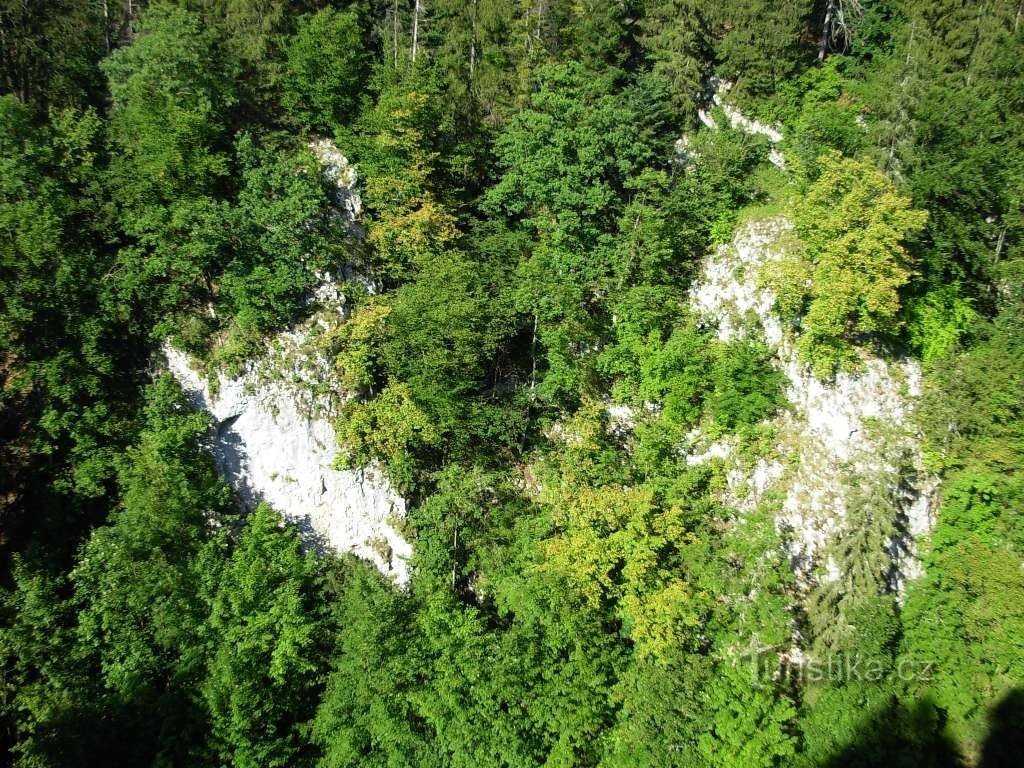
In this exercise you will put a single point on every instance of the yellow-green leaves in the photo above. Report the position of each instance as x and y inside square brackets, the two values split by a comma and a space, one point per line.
[385, 428]
[615, 548]
[357, 343]
[602, 548]
[846, 283]
[662, 619]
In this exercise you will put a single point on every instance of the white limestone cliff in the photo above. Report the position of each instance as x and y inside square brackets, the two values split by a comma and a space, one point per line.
[273, 440]
[271, 444]
[715, 97]
[855, 429]
[341, 175]
[835, 436]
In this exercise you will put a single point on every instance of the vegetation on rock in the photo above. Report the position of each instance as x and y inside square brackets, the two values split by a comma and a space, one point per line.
[517, 349]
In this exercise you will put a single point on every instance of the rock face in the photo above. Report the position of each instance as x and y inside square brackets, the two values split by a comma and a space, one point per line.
[837, 437]
[341, 175]
[715, 97]
[271, 443]
[273, 439]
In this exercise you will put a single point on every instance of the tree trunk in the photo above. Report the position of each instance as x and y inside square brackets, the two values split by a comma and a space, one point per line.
[455, 553]
[106, 26]
[999, 244]
[415, 28]
[472, 44]
[900, 107]
[394, 24]
[826, 30]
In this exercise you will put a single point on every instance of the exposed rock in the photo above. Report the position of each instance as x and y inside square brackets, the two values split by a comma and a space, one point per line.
[720, 449]
[684, 153]
[342, 177]
[715, 97]
[273, 439]
[852, 429]
[621, 419]
[272, 443]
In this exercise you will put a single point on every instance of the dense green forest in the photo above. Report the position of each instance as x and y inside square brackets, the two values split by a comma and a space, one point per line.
[540, 186]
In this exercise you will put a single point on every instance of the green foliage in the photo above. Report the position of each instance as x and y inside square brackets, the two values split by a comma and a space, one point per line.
[515, 350]
[963, 615]
[266, 668]
[678, 40]
[441, 331]
[672, 373]
[720, 178]
[171, 91]
[852, 224]
[688, 374]
[759, 43]
[366, 716]
[862, 555]
[828, 119]
[42, 685]
[565, 162]
[972, 414]
[356, 344]
[964, 618]
[285, 233]
[252, 31]
[960, 162]
[407, 225]
[51, 59]
[325, 70]
[747, 387]
[138, 577]
[747, 728]
[60, 340]
[938, 320]
[139, 581]
[385, 429]
[833, 711]
[131, 636]
[565, 157]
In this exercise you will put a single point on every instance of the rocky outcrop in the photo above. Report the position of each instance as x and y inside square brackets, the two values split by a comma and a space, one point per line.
[341, 176]
[715, 97]
[837, 437]
[273, 440]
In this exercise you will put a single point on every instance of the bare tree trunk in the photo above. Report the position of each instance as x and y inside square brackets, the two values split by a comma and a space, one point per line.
[415, 28]
[394, 19]
[533, 359]
[455, 553]
[6, 60]
[900, 109]
[210, 295]
[837, 25]
[106, 26]
[826, 30]
[472, 44]
[127, 25]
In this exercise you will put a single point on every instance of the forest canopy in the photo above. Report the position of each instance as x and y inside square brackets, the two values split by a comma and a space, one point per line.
[542, 186]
